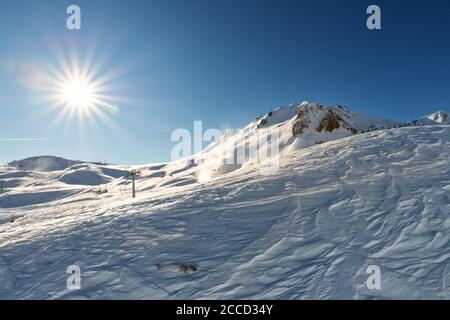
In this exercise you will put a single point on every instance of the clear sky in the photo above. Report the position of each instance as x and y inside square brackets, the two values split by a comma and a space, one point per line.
[220, 61]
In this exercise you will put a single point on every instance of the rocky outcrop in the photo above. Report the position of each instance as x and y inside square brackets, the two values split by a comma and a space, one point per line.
[330, 122]
[439, 117]
[301, 123]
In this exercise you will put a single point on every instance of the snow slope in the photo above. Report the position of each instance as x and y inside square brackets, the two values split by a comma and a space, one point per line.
[24, 188]
[308, 231]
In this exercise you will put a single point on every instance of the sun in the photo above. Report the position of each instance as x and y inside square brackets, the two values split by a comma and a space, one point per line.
[82, 90]
[78, 93]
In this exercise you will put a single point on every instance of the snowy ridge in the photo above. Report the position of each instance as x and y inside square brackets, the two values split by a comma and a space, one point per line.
[43, 163]
[341, 200]
[306, 124]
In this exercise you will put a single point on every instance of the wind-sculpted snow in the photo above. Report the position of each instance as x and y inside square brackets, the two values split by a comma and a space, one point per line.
[13, 200]
[308, 232]
[84, 177]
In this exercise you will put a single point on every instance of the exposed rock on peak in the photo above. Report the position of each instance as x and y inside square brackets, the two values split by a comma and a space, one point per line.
[439, 117]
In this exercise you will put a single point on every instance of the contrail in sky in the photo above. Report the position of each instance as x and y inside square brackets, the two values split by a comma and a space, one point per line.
[25, 139]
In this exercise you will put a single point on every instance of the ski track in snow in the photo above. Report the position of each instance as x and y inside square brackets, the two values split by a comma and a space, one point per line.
[308, 232]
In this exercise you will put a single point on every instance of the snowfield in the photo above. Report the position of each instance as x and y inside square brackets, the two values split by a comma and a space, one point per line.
[309, 231]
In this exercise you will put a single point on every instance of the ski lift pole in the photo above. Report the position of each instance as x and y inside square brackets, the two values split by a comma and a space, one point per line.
[133, 174]
[134, 186]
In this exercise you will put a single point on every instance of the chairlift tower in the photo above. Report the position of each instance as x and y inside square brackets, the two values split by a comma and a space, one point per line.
[133, 174]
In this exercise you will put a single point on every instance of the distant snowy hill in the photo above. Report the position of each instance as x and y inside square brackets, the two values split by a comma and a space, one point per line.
[43, 163]
[350, 191]
[436, 118]
[439, 117]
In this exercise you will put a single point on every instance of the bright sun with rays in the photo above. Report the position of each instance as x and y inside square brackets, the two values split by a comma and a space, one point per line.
[78, 93]
[83, 91]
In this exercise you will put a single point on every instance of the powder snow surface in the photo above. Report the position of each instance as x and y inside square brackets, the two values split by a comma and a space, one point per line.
[307, 232]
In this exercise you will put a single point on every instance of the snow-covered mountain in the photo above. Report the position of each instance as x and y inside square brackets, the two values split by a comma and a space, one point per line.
[349, 192]
[439, 117]
[296, 126]
[436, 118]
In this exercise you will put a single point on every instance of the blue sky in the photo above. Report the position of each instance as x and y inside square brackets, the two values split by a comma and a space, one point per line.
[222, 62]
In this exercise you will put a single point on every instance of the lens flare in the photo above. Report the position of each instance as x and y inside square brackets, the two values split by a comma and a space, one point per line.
[81, 90]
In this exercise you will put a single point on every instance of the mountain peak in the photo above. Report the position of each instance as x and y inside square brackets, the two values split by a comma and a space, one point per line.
[318, 116]
[439, 117]
[436, 118]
